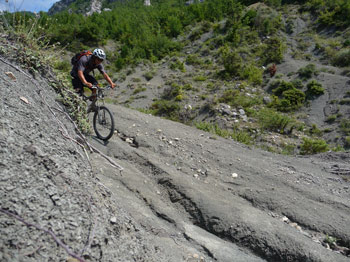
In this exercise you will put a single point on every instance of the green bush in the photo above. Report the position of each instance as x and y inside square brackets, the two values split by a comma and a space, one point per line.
[253, 74]
[294, 96]
[165, 108]
[331, 118]
[345, 101]
[196, 34]
[228, 96]
[172, 92]
[237, 135]
[234, 98]
[314, 88]
[287, 98]
[347, 142]
[177, 64]
[273, 51]
[200, 78]
[266, 21]
[174, 26]
[310, 146]
[280, 87]
[345, 126]
[149, 75]
[342, 58]
[307, 71]
[297, 83]
[274, 121]
[315, 131]
[232, 62]
[64, 66]
[193, 60]
[139, 90]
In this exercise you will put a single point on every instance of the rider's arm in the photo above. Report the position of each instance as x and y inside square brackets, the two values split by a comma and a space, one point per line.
[108, 79]
[83, 80]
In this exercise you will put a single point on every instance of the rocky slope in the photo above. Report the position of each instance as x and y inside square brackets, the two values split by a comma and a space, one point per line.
[86, 7]
[184, 195]
[200, 87]
[52, 206]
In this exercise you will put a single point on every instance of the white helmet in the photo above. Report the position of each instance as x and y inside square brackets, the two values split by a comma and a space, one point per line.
[99, 53]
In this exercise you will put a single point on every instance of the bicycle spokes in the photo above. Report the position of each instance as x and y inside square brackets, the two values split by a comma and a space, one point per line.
[103, 123]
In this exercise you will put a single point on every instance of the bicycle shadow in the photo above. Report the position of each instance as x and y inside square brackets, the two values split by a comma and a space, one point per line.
[101, 142]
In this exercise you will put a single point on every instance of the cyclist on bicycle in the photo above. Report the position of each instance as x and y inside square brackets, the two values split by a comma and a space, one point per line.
[86, 64]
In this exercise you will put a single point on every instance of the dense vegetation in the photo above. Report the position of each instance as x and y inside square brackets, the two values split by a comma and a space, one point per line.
[147, 32]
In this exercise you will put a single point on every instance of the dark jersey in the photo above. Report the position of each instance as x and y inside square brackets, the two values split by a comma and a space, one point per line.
[85, 64]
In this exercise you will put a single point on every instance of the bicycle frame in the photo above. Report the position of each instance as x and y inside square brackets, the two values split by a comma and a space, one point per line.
[98, 99]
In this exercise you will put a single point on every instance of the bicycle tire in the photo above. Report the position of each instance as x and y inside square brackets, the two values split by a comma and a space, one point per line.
[103, 123]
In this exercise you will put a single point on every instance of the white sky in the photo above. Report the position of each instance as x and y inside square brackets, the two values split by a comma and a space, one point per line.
[26, 5]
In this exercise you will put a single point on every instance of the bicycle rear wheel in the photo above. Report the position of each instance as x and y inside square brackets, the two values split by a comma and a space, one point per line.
[103, 123]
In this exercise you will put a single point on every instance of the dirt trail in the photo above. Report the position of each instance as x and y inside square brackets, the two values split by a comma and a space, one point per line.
[217, 193]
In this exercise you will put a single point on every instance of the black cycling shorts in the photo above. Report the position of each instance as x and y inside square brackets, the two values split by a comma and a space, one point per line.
[78, 85]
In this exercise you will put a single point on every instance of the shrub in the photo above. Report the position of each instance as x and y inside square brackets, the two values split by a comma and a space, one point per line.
[200, 78]
[166, 108]
[297, 83]
[347, 142]
[136, 79]
[273, 51]
[331, 118]
[280, 87]
[229, 96]
[289, 98]
[174, 26]
[211, 86]
[187, 87]
[345, 101]
[310, 146]
[173, 91]
[177, 64]
[266, 20]
[314, 130]
[345, 126]
[63, 66]
[234, 98]
[294, 96]
[139, 90]
[232, 62]
[273, 121]
[193, 60]
[314, 88]
[149, 75]
[253, 74]
[237, 135]
[307, 71]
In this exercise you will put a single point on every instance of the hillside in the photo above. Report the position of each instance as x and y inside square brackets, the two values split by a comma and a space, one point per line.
[272, 76]
[184, 195]
[231, 138]
[235, 104]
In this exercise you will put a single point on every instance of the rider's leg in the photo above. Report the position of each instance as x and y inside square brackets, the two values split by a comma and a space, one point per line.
[78, 86]
[93, 81]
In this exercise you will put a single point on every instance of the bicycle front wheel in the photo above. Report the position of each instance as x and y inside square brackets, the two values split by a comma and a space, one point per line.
[103, 123]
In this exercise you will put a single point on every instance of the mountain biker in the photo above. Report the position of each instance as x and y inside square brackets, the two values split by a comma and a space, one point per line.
[86, 64]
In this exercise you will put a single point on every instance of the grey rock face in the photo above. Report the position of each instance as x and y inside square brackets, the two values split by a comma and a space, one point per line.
[60, 6]
[87, 7]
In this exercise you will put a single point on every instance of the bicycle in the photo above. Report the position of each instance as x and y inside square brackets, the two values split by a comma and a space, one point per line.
[103, 121]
